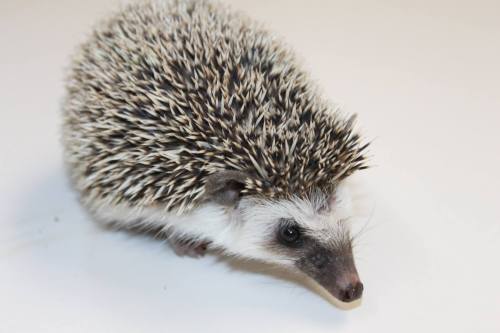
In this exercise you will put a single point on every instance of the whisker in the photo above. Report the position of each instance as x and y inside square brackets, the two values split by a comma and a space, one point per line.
[364, 229]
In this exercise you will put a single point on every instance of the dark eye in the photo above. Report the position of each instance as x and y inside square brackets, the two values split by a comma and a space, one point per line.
[289, 233]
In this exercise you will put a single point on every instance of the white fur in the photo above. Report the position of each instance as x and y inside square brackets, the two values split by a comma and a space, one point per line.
[242, 231]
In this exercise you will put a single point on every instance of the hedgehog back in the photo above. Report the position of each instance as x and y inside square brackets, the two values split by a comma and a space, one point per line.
[165, 94]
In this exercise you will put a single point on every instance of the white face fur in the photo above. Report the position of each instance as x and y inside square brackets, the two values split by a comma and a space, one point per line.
[255, 222]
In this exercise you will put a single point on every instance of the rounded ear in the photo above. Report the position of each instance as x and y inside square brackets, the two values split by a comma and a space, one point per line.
[224, 187]
[339, 201]
[327, 205]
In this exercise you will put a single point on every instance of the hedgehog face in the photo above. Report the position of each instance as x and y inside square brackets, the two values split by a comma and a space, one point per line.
[309, 234]
[306, 234]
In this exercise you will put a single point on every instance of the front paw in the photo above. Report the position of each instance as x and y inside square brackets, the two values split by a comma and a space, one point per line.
[189, 247]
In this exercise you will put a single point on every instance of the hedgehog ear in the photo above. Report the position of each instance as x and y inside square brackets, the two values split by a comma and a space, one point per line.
[327, 205]
[225, 187]
[340, 200]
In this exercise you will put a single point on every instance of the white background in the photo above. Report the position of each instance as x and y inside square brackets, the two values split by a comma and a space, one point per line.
[424, 77]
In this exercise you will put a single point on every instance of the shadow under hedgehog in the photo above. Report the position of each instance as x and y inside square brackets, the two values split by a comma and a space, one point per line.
[191, 118]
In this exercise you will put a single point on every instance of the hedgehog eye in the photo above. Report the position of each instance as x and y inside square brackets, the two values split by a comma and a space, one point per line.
[289, 233]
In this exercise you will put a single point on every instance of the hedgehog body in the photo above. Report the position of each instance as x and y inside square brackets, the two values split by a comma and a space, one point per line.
[186, 116]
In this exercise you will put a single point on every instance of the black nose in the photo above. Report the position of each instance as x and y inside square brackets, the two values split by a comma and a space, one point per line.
[352, 292]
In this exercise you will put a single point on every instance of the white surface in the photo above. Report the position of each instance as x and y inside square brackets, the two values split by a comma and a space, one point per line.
[424, 77]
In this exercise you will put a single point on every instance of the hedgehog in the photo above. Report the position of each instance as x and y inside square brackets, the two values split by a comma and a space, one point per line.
[191, 119]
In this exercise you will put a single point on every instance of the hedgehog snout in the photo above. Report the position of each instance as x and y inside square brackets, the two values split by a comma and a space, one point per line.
[350, 289]
[335, 271]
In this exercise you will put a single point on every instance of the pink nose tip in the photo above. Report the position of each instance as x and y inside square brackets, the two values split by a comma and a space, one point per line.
[351, 292]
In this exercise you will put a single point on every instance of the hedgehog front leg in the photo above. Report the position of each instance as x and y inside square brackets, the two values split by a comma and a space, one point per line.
[189, 247]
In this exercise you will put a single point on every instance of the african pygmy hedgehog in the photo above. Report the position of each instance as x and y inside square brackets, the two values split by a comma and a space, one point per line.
[184, 116]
